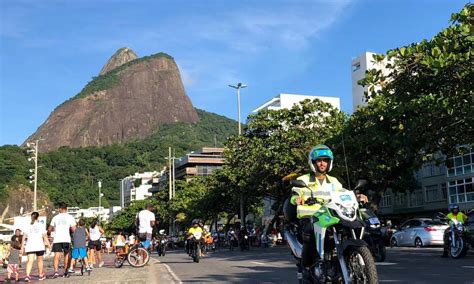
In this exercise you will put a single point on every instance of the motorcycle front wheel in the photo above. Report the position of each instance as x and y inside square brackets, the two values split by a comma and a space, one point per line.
[458, 250]
[361, 265]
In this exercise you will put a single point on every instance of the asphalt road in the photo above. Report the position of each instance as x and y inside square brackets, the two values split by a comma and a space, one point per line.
[276, 265]
[269, 265]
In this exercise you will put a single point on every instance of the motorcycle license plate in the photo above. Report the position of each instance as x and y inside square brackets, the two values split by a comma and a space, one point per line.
[374, 221]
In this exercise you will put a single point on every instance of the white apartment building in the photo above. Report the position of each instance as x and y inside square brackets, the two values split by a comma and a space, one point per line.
[129, 192]
[105, 214]
[287, 101]
[360, 65]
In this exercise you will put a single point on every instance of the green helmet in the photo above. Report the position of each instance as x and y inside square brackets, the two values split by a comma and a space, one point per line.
[320, 151]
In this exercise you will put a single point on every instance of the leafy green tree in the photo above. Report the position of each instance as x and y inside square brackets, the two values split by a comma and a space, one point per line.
[275, 144]
[424, 105]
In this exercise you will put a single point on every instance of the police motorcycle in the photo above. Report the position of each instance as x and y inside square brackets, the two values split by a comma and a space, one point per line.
[457, 236]
[343, 256]
[195, 246]
[162, 243]
[373, 233]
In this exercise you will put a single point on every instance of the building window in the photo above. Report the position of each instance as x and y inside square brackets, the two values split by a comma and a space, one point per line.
[434, 193]
[461, 165]
[204, 170]
[386, 200]
[461, 190]
[355, 66]
[400, 199]
[415, 198]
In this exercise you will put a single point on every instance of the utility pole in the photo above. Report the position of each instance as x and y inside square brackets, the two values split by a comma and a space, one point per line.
[174, 173]
[238, 87]
[34, 177]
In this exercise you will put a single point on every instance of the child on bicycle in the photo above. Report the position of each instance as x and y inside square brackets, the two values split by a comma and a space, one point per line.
[79, 251]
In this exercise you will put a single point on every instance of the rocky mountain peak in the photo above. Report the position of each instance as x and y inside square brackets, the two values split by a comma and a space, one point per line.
[120, 57]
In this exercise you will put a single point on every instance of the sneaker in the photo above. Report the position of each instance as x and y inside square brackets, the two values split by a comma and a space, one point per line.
[56, 275]
[101, 264]
[41, 278]
[71, 271]
[27, 279]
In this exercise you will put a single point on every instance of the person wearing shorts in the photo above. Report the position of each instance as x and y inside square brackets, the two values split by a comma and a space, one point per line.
[79, 241]
[13, 259]
[62, 224]
[33, 243]
[95, 245]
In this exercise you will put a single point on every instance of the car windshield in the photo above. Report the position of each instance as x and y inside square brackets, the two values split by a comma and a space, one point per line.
[434, 223]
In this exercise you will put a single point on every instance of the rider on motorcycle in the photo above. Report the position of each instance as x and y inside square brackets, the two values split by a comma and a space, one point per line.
[454, 214]
[194, 229]
[320, 160]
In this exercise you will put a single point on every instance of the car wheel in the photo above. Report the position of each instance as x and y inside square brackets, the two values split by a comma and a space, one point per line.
[418, 243]
[393, 242]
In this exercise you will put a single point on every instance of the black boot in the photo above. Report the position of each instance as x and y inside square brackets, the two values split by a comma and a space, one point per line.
[445, 253]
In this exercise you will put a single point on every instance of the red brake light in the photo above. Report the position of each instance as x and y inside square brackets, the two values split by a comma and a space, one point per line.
[429, 229]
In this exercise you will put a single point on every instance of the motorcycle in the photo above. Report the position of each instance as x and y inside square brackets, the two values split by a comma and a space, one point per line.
[244, 241]
[458, 242]
[338, 230]
[161, 246]
[195, 246]
[373, 234]
[231, 239]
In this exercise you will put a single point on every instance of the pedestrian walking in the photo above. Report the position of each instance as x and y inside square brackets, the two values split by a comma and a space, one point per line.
[95, 244]
[79, 250]
[62, 224]
[14, 259]
[17, 237]
[33, 244]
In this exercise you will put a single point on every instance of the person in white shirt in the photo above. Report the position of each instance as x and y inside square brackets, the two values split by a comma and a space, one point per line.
[95, 245]
[146, 221]
[63, 225]
[34, 241]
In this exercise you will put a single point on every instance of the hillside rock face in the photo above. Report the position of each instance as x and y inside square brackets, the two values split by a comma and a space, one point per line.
[122, 56]
[144, 93]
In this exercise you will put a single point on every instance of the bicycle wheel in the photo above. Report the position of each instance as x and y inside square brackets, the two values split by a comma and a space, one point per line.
[138, 257]
[118, 261]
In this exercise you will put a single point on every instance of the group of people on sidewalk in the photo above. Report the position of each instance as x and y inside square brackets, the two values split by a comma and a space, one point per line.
[64, 229]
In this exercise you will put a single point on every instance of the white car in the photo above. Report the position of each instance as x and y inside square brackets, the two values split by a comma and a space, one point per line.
[419, 232]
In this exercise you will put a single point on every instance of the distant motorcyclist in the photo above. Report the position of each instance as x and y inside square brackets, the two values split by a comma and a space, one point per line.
[193, 230]
[320, 160]
[454, 214]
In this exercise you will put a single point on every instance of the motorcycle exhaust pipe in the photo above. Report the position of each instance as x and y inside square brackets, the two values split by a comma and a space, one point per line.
[295, 246]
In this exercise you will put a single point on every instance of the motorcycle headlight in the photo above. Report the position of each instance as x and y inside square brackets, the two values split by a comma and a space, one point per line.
[347, 212]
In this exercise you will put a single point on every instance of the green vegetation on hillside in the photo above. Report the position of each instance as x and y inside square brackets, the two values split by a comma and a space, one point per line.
[71, 174]
[111, 78]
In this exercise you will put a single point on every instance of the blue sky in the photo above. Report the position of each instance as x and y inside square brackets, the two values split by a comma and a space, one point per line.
[49, 50]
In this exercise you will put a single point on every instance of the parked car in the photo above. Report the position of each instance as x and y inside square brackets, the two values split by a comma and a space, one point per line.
[419, 232]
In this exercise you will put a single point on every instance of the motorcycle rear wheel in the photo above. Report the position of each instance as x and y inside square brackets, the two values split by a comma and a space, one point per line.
[361, 265]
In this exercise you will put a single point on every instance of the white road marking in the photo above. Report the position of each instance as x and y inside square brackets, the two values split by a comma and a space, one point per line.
[385, 263]
[467, 266]
[173, 275]
[259, 263]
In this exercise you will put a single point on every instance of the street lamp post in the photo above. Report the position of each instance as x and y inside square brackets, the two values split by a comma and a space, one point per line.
[34, 177]
[99, 183]
[238, 87]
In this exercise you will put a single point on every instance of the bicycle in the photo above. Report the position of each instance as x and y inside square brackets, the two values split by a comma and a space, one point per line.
[137, 255]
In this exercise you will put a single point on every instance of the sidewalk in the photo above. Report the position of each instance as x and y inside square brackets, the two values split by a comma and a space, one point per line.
[153, 272]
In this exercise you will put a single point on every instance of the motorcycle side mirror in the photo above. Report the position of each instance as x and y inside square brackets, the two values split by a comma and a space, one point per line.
[360, 183]
[298, 183]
